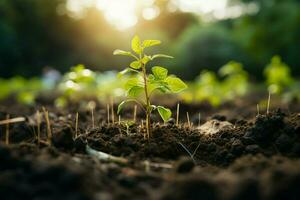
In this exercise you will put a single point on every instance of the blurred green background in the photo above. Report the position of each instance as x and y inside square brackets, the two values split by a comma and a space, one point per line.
[201, 34]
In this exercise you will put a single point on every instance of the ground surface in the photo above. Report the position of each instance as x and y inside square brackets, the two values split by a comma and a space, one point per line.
[235, 154]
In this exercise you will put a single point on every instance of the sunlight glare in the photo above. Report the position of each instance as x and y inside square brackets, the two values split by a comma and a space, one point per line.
[120, 13]
[151, 12]
[123, 14]
[200, 6]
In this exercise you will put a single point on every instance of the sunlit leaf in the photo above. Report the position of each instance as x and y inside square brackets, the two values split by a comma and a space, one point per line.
[165, 113]
[122, 53]
[135, 91]
[160, 56]
[136, 44]
[133, 82]
[146, 59]
[150, 43]
[136, 64]
[159, 73]
[175, 84]
[125, 71]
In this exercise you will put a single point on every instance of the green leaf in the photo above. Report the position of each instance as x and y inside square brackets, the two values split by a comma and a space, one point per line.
[136, 81]
[175, 84]
[160, 56]
[150, 43]
[136, 64]
[159, 73]
[123, 72]
[146, 59]
[165, 113]
[136, 44]
[135, 91]
[121, 105]
[122, 53]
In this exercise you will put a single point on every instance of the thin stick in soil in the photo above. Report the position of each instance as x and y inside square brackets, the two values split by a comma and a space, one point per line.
[119, 120]
[13, 120]
[7, 131]
[76, 125]
[257, 108]
[38, 119]
[186, 149]
[188, 119]
[93, 118]
[49, 133]
[134, 113]
[105, 157]
[8, 121]
[269, 101]
[112, 111]
[199, 119]
[177, 115]
[108, 113]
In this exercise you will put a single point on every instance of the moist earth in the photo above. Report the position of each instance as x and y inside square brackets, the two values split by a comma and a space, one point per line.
[251, 158]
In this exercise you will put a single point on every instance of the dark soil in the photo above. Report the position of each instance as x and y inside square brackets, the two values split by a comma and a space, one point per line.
[255, 158]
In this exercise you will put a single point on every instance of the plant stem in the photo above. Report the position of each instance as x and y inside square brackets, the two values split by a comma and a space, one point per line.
[148, 106]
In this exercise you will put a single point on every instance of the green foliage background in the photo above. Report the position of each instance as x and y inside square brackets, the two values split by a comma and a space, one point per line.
[33, 35]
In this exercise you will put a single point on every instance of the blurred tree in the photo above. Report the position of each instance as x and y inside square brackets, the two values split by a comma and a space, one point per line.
[33, 35]
[207, 47]
[273, 30]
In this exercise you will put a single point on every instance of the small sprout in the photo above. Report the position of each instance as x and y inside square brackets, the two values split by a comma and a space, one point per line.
[142, 85]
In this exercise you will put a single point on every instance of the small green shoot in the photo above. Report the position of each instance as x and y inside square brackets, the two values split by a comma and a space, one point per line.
[142, 85]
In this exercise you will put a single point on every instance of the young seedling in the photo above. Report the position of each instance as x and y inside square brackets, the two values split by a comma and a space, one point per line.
[142, 85]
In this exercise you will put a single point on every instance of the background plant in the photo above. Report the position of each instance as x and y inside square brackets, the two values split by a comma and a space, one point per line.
[232, 82]
[81, 84]
[278, 75]
[141, 85]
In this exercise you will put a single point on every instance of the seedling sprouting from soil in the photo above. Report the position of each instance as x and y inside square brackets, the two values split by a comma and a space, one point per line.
[142, 85]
